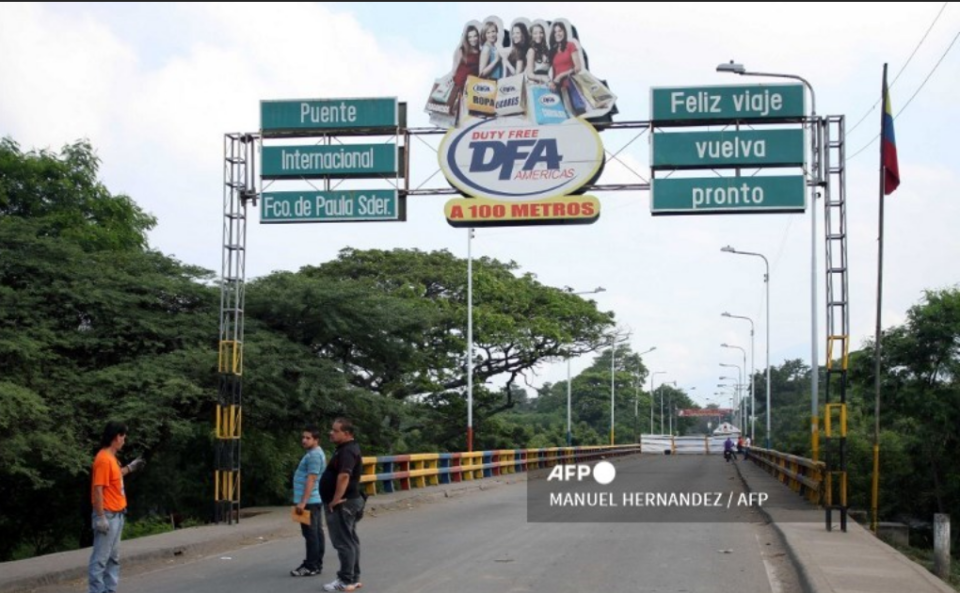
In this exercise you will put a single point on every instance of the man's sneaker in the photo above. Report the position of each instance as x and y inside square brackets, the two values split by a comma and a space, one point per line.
[303, 571]
[339, 585]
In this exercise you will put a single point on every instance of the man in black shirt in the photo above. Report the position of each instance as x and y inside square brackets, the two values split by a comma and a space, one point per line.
[340, 492]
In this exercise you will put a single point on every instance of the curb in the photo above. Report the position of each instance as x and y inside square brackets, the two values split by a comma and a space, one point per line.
[175, 552]
[223, 540]
[811, 579]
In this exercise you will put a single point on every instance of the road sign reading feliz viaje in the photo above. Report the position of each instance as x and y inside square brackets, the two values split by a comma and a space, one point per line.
[520, 143]
[327, 115]
[331, 206]
[739, 103]
[730, 148]
[732, 195]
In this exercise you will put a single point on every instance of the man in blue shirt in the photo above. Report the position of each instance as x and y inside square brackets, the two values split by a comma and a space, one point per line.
[306, 495]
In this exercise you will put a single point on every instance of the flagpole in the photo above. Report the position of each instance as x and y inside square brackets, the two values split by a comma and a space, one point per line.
[875, 494]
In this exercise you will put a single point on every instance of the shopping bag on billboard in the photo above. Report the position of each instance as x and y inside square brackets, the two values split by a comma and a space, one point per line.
[593, 90]
[572, 98]
[546, 105]
[481, 95]
[442, 88]
[443, 98]
[511, 95]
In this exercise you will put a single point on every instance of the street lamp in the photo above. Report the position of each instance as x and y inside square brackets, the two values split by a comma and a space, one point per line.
[766, 281]
[816, 174]
[739, 385]
[742, 413]
[569, 388]
[753, 399]
[652, 376]
[613, 378]
[636, 402]
[671, 411]
[674, 383]
[470, 233]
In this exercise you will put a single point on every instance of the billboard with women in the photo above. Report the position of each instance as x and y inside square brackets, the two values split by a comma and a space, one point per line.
[518, 102]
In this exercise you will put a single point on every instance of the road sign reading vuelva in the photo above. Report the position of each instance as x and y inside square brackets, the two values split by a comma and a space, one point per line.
[726, 149]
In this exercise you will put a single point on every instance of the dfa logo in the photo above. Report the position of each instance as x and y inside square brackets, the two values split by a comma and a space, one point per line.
[513, 159]
[483, 88]
[603, 472]
[549, 100]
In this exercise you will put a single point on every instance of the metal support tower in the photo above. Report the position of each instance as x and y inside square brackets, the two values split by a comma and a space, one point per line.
[838, 316]
[239, 189]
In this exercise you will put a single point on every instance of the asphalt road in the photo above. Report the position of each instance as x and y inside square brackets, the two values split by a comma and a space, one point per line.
[481, 542]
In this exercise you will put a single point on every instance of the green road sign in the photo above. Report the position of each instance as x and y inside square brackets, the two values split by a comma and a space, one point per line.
[730, 148]
[341, 160]
[727, 195]
[332, 206]
[327, 115]
[745, 103]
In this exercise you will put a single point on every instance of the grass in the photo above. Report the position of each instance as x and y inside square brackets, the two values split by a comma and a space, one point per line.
[924, 557]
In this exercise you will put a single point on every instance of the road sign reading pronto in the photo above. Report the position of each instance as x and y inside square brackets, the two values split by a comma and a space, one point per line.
[743, 103]
[327, 115]
[331, 206]
[730, 148]
[715, 195]
[342, 160]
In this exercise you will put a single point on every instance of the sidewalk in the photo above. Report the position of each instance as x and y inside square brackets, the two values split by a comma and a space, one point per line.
[257, 525]
[834, 561]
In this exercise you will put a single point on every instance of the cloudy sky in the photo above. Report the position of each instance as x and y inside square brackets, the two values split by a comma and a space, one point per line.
[155, 87]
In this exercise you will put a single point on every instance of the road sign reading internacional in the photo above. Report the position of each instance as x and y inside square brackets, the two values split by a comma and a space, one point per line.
[332, 206]
[731, 195]
[341, 160]
[706, 105]
[305, 116]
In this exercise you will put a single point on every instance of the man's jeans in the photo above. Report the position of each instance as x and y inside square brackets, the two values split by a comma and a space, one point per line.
[313, 533]
[104, 569]
[342, 525]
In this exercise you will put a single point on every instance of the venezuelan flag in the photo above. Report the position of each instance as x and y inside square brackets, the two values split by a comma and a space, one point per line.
[888, 147]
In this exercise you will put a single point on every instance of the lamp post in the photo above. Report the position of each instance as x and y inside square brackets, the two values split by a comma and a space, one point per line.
[569, 388]
[753, 399]
[652, 377]
[743, 413]
[816, 175]
[470, 339]
[735, 399]
[737, 389]
[766, 281]
[613, 381]
[636, 402]
[672, 408]
[674, 383]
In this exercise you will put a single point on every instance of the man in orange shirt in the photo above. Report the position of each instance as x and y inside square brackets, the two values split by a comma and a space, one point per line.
[109, 507]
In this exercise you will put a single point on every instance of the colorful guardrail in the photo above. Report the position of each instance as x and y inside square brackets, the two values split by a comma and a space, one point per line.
[392, 473]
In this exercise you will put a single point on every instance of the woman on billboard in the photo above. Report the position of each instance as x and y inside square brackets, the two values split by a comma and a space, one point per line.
[466, 60]
[538, 56]
[520, 43]
[491, 63]
[565, 56]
